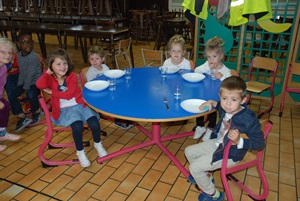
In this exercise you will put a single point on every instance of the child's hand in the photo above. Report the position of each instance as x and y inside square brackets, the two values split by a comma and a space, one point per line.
[49, 71]
[234, 135]
[1, 105]
[218, 75]
[206, 105]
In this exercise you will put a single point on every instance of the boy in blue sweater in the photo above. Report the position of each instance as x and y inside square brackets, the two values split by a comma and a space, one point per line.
[234, 120]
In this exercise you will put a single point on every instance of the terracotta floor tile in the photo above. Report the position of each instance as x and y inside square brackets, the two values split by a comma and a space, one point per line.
[150, 179]
[129, 183]
[287, 192]
[159, 192]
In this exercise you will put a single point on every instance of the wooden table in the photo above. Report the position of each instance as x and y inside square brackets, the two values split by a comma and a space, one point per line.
[82, 31]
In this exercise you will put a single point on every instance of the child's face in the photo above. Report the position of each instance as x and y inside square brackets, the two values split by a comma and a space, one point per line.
[26, 44]
[60, 67]
[176, 52]
[6, 54]
[231, 101]
[213, 58]
[96, 60]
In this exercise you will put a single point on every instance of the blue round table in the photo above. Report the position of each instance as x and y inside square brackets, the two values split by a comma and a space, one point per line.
[141, 98]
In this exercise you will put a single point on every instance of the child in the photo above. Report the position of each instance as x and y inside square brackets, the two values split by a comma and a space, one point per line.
[30, 71]
[68, 106]
[176, 49]
[234, 120]
[214, 67]
[6, 56]
[96, 58]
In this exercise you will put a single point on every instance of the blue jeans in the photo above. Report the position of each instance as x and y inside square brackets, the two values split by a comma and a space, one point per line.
[32, 96]
[11, 85]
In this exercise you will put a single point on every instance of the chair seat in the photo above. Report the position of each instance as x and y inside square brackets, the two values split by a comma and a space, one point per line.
[257, 87]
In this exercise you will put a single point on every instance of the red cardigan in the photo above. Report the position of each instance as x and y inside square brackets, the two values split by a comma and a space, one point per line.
[49, 81]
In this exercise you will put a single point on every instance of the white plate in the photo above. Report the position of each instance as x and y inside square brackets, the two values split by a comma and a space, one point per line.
[97, 85]
[193, 77]
[192, 105]
[172, 69]
[114, 73]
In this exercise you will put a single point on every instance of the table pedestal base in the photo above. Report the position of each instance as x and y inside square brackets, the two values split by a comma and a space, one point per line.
[156, 139]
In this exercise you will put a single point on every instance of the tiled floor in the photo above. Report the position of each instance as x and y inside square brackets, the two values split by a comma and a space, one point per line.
[145, 174]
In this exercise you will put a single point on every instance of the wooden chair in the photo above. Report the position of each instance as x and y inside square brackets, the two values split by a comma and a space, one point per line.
[261, 77]
[234, 73]
[123, 50]
[82, 76]
[290, 84]
[154, 56]
[251, 159]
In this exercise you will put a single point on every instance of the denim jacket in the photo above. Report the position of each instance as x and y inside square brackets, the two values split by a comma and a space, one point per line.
[246, 122]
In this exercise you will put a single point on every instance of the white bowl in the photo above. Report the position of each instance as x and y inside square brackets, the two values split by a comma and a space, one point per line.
[192, 105]
[172, 69]
[193, 77]
[114, 73]
[97, 85]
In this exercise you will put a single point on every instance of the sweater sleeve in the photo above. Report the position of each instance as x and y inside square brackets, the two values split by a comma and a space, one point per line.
[204, 68]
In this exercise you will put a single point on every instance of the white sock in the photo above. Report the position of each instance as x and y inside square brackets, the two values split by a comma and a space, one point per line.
[207, 135]
[199, 132]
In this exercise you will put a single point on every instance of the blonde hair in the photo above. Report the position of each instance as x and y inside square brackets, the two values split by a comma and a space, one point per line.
[215, 44]
[6, 41]
[176, 39]
[96, 50]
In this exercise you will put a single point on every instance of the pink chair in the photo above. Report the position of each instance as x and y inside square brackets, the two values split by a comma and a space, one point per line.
[290, 85]
[251, 159]
[45, 102]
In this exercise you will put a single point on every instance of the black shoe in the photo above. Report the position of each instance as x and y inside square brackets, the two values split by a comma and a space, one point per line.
[103, 133]
[22, 123]
[36, 117]
[123, 125]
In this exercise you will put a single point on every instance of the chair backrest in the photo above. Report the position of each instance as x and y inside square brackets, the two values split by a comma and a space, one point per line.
[234, 73]
[294, 69]
[124, 46]
[193, 65]
[155, 56]
[262, 66]
[82, 76]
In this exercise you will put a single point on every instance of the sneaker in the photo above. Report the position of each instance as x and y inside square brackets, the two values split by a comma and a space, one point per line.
[84, 161]
[36, 117]
[207, 135]
[2, 147]
[100, 149]
[191, 179]
[22, 123]
[199, 132]
[123, 125]
[10, 137]
[205, 197]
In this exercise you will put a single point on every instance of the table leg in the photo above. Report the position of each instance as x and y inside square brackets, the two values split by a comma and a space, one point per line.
[131, 55]
[112, 50]
[41, 38]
